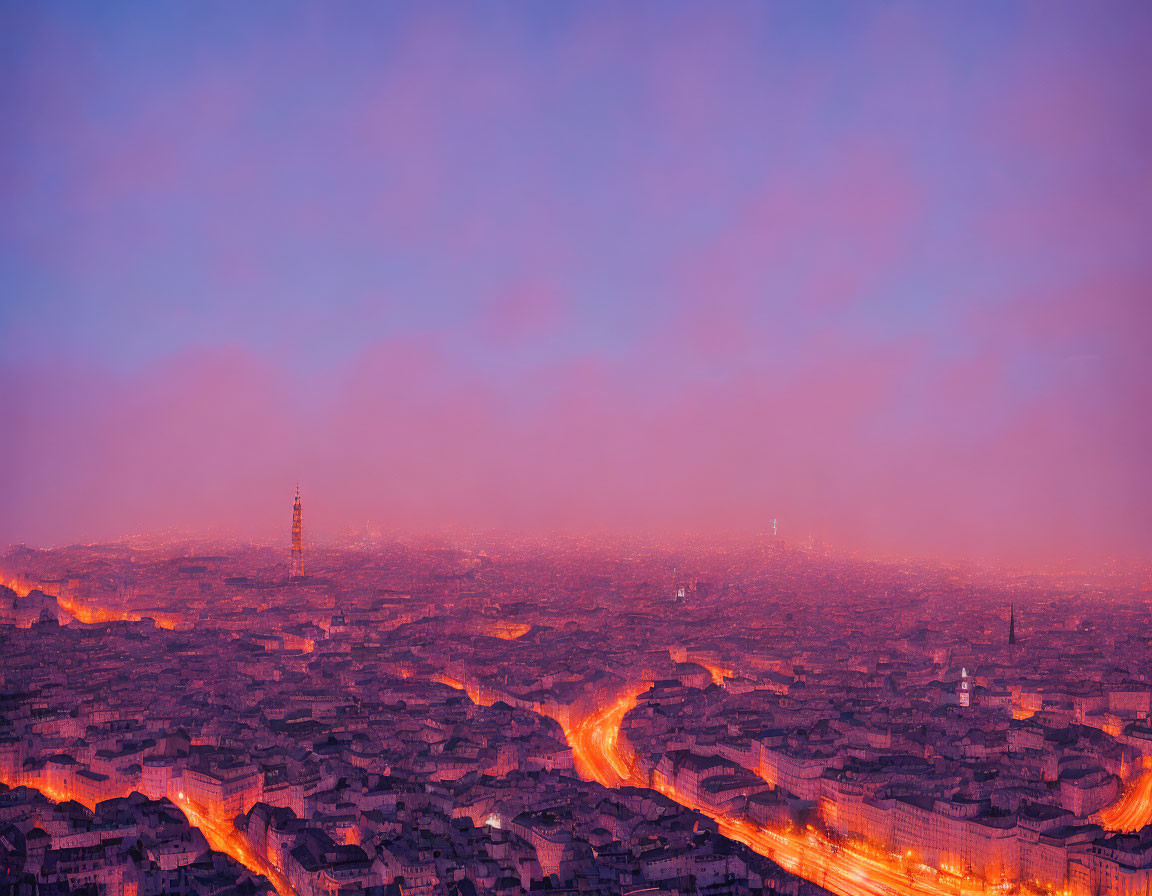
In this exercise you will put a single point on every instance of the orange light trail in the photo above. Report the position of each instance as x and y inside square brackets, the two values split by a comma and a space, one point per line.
[1134, 808]
[473, 694]
[595, 743]
[89, 614]
[719, 673]
[14, 584]
[508, 631]
[221, 834]
[846, 870]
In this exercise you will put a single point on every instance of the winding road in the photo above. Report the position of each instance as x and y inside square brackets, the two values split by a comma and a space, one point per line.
[848, 870]
[1134, 808]
[221, 833]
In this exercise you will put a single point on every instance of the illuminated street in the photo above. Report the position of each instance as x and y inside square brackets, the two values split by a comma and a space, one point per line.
[846, 870]
[597, 752]
[594, 743]
[1134, 809]
[221, 835]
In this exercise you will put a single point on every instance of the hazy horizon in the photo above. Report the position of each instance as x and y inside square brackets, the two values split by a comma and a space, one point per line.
[881, 272]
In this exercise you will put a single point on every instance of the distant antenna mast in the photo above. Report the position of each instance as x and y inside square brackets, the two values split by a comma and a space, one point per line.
[773, 527]
[297, 536]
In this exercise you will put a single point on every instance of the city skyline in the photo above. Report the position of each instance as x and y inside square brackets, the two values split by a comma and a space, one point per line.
[837, 727]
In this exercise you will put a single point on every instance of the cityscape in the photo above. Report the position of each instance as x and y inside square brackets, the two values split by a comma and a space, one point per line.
[571, 715]
[576, 449]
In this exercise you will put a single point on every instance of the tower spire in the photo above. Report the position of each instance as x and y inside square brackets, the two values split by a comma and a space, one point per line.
[1011, 625]
[297, 536]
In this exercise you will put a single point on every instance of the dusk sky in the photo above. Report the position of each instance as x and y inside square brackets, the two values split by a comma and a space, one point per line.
[882, 271]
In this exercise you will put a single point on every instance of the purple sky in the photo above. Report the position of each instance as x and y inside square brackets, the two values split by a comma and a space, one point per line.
[880, 270]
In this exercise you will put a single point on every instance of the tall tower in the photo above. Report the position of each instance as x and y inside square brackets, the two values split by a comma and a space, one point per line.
[297, 537]
[1011, 625]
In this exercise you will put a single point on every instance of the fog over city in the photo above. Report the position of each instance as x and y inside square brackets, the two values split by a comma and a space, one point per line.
[879, 271]
[576, 449]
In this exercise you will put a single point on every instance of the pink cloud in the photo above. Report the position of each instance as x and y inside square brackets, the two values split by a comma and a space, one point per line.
[525, 310]
[412, 437]
[817, 238]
